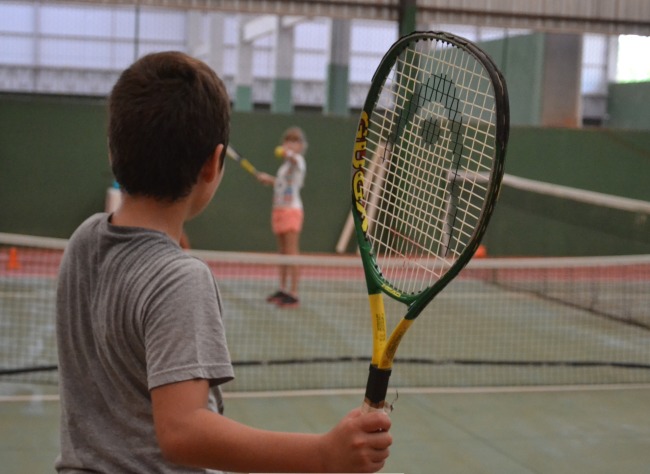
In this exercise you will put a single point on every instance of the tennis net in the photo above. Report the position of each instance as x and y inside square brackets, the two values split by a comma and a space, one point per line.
[532, 321]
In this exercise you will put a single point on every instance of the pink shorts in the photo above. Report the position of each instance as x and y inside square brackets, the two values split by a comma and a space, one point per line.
[286, 219]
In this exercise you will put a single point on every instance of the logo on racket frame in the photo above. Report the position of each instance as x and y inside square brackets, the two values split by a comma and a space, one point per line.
[358, 162]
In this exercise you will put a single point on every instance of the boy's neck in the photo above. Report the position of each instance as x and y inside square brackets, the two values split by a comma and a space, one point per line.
[149, 213]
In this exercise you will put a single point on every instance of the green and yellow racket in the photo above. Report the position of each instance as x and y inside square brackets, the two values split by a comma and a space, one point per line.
[426, 171]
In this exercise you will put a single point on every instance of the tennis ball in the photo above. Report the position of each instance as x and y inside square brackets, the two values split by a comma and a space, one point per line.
[279, 152]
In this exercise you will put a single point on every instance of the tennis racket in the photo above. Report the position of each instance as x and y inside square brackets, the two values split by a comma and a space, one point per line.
[244, 163]
[426, 171]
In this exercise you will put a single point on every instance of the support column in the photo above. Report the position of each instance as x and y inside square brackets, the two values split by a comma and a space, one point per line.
[560, 105]
[216, 48]
[284, 52]
[244, 77]
[338, 70]
[407, 17]
[195, 46]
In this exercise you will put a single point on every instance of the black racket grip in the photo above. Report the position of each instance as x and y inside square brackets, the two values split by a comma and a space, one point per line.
[377, 387]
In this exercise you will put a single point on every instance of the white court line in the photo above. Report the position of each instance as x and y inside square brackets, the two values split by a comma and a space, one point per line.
[28, 398]
[401, 390]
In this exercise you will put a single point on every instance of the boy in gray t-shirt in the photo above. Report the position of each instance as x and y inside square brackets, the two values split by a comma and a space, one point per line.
[142, 348]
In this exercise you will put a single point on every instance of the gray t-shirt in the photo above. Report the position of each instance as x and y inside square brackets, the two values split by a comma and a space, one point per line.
[134, 312]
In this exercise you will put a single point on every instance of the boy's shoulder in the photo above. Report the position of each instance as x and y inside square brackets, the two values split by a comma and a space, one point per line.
[98, 232]
[153, 250]
[87, 227]
[93, 221]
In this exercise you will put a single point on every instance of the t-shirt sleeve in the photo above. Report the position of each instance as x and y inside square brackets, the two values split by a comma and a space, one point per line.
[184, 335]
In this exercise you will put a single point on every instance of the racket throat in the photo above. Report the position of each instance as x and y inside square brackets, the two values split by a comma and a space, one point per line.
[377, 387]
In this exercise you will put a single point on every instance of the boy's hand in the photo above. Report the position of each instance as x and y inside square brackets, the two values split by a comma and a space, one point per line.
[358, 443]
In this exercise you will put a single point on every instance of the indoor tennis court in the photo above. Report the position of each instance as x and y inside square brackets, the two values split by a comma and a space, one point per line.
[526, 365]
[534, 359]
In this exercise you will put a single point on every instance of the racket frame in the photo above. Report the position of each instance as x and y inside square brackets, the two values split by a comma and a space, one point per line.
[384, 346]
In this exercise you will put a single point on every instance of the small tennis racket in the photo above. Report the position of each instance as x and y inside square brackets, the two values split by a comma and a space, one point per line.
[426, 171]
[244, 163]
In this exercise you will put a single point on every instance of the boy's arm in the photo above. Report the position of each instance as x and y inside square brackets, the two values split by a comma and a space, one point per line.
[190, 434]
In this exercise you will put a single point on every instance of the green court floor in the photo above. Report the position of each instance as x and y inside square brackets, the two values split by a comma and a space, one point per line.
[506, 431]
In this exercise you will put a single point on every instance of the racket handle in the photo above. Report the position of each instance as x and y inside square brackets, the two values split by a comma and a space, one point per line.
[376, 389]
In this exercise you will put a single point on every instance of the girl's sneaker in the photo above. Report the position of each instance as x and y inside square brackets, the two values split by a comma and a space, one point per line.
[288, 301]
[276, 297]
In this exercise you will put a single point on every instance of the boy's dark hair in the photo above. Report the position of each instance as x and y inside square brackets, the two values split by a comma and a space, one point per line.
[167, 114]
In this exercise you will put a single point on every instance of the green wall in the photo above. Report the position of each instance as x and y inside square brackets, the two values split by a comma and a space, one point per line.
[239, 216]
[603, 160]
[54, 173]
[53, 163]
[521, 60]
[627, 105]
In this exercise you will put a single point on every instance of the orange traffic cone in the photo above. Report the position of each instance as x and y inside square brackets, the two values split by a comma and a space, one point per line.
[13, 263]
[481, 251]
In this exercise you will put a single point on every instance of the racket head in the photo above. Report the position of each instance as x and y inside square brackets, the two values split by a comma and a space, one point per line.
[427, 164]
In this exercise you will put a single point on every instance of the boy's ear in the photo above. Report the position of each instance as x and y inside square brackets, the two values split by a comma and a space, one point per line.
[212, 167]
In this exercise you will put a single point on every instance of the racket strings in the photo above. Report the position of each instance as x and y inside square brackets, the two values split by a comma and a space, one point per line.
[430, 148]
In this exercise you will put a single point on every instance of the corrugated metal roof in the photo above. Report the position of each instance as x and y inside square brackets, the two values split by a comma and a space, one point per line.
[580, 16]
